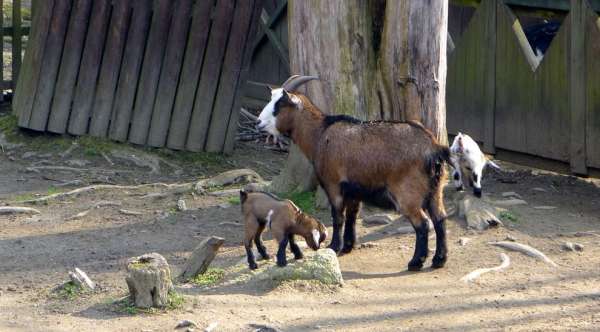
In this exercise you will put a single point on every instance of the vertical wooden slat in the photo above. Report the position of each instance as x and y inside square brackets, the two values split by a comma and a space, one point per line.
[210, 76]
[489, 74]
[190, 72]
[2, 47]
[69, 66]
[592, 45]
[153, 59]
[169, 76]
[577, 88]
[16, 41]
[111, 65]
[28, 80]
[230, 75]
[90, 67]
[50, 65]
[130, 70]
[232, 126]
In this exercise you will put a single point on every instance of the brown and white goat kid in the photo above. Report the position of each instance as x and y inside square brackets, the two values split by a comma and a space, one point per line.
[284, 219]
[468, 162]
[398, 165]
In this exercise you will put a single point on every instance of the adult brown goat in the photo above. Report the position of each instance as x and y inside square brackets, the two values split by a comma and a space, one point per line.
[397, 165]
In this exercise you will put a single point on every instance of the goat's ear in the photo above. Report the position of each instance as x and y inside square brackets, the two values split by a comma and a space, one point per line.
[286, 99]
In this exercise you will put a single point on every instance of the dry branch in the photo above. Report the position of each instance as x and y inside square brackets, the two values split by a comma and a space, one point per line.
[524, 249]
[17, 210]
[477, 273]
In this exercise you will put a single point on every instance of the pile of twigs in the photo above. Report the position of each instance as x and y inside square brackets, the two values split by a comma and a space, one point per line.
[247, 132]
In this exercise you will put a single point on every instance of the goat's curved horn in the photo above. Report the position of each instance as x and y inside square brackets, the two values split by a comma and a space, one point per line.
[295, 81]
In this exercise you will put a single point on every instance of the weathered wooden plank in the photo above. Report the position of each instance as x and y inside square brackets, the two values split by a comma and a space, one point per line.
[29, 78]
[50, 65]
[89, 68]
[592, 49]
[69, 66]
[489, 76]
[210, 75]
[169, 77]
[130, 70]
[550, 113]
[232, 126]
[151, 68]
[111, 65]
[2, 46]
[17, 39]
[192, 65]
[228, 82]
[577, 88]
[514, 85]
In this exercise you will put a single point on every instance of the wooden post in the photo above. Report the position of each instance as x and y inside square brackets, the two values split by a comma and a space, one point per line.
[202, 256]
[149, 280]
[16, 41]
[577, 96]
[490, 75]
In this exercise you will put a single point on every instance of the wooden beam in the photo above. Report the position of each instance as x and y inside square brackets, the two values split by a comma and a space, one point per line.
[281, 50]
[577, 88]
[491, 8]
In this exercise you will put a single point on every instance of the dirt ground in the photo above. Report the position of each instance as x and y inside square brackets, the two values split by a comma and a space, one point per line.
[378, 294]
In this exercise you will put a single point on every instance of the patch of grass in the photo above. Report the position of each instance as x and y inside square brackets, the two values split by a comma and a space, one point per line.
[125, 305]
[53, 190]
[304, 200]
[69, 291]
[24, 197]
[210, 277]
[94, 146]
[235, 200]
[188, 157]
[508, 216]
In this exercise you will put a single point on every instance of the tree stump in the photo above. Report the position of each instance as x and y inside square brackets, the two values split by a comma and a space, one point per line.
[149, 280]
[202, 256]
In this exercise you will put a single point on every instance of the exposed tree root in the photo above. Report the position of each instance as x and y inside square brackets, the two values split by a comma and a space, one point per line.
[177, 187]
[17, 210]
[524, 249]
[477, 273]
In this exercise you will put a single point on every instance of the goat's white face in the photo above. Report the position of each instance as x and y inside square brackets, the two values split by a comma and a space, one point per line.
[468, 162]
[267, 120]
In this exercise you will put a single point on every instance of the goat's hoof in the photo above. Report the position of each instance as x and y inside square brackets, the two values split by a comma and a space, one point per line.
[347, 249]
[438, 262]
[415, 265]
[336, 249]
[253, 266]
[477, 192]
[297, 257]
[282, 264]
[266, 257]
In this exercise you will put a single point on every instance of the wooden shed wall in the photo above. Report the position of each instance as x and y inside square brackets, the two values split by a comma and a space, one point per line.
[151, 72]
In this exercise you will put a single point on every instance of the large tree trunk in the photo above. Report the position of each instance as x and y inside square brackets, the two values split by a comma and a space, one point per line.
[376, 59]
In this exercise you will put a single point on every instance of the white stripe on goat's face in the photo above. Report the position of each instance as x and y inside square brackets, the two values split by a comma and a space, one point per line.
[267, 120]
[316, 237]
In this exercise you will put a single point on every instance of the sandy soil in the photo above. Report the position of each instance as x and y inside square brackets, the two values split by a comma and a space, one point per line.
[378, 295]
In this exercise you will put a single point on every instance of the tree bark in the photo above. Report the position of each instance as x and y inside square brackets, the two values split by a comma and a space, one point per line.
[376, 59]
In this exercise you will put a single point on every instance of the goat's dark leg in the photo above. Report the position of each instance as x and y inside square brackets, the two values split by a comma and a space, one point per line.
[351, 209]
[250, 231]
[437, 212]
[281, 260]
[262, 250]
[421, 225]
[336, 237]
[294, 247]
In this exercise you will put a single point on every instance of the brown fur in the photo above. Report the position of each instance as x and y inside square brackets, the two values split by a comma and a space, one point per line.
[286, 220]
[402, 160]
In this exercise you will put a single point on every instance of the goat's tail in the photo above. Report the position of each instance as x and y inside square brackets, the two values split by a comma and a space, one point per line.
[435, 165]
[243, 196]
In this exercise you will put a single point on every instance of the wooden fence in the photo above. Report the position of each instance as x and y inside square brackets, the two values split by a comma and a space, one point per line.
[163, 73]
[14, 29]
[509, 99]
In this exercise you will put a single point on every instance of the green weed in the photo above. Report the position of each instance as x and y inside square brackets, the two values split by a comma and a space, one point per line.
[304, 200]
[210, 277]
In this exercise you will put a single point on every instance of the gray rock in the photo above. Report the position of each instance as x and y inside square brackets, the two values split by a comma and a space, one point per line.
[181, 206]
[263, 328]
[77, 163]
[378, 219]
[479, 214]
[542, 190]
[81, 279]
[237, 176]
[322, 266]
[186, 323]
[511, 238]
[511, 202]
[570, 246]
[578, 247]
[28, 155]
[463, 241]
[369, 245]
[511, 194]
